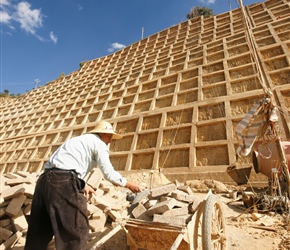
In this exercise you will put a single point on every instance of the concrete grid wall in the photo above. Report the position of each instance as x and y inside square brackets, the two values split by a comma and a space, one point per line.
[176, 96]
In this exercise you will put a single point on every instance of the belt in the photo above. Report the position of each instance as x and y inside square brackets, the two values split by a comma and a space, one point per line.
[81, 183]
[59, 170]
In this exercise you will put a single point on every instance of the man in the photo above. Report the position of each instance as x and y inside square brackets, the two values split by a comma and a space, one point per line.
[59, 205]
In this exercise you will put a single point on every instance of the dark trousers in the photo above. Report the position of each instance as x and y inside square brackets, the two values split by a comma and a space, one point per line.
[58, 209]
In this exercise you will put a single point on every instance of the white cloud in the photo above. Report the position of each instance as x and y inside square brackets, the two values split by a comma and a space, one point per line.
[4, 2]
[207, 2]
[80, 7]
[116, 46]
[53, 37]
[29, 19]
[4, 17]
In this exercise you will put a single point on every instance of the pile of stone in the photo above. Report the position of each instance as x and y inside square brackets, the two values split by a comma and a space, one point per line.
[172, 203]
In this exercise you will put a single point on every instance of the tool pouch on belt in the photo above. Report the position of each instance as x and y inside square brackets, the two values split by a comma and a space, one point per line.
[81, 184]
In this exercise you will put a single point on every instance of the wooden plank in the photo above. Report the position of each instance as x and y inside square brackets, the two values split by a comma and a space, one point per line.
[177, 242]
[105, 238]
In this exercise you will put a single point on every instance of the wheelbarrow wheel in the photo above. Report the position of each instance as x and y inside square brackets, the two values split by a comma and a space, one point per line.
[213, 225]
[197, 234]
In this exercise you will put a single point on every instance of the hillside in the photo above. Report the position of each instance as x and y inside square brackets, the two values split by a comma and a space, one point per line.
[176, 96]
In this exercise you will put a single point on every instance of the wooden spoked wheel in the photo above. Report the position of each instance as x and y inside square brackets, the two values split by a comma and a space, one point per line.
[197, 234]
[213, 225]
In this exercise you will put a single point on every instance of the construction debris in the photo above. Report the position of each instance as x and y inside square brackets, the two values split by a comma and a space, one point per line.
[172, 204]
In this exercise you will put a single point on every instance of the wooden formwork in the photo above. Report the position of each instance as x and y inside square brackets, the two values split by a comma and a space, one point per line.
[176, 96]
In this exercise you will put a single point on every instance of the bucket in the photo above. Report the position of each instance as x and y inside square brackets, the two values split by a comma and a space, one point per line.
[266, 157]
[241, 175]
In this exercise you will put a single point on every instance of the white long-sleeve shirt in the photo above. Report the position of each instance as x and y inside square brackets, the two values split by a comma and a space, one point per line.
[82, 154]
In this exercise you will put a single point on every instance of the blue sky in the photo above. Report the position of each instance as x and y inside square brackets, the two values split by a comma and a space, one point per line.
[41, 39]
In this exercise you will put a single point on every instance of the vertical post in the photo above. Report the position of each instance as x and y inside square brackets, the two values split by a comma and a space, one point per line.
[36, 81]
[284, 165]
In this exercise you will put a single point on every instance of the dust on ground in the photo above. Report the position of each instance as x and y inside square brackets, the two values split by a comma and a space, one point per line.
[243, 231]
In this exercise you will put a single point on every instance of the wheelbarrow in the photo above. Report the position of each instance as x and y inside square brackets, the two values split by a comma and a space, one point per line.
[205, 230]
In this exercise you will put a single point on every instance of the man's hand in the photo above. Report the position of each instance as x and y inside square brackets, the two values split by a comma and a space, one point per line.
[133, 187]
[88, 190]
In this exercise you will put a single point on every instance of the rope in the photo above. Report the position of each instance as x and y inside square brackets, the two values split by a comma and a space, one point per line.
[249, 37]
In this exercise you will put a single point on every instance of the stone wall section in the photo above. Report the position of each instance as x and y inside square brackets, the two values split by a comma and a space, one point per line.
[176, 95]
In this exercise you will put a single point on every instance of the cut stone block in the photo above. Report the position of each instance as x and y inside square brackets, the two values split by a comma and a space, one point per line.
[100, 202]
[176, 211]
[11, 175]
[182, 196]
[99, 192]
[2, 182]
[125, 204]
[186, 189]
[13, 182]
[114, 204]
[108, 189]
[97, 214]
[2, 212]
[106, 202]
[27, 209]
[161, 207]
[20, 244]
[120, 195]
[115, 215]
[15, 205]
[19, 222]
[12, 240]
[98, 225]
[140, 213]
[177, 221]
[29, 190]
[32, 176]
[150, 203]
[193, 207]
[95, 178]
[5, 234]
[92, 209]
[11, 192]
[180, 204]
[23, 173]
[5, 222]
[10, 227]
[138, 210]
[4, 203]
[27, 201]
[158, 191]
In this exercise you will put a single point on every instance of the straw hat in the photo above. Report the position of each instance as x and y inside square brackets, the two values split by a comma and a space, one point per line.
[106, 128]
